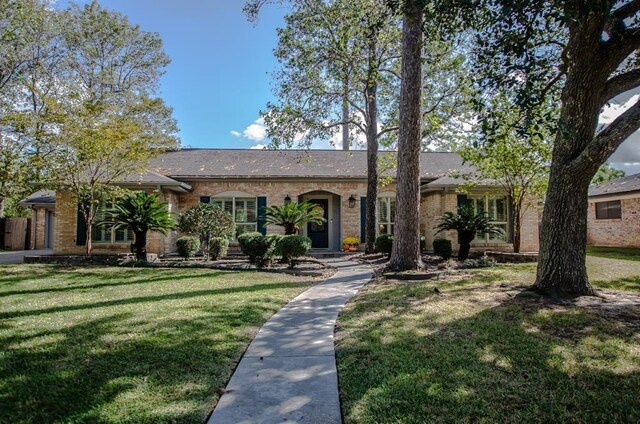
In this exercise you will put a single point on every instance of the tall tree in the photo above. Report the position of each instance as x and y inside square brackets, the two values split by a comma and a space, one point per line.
[340, 63]
[515, 152]
[406, 247]
[107, 124]
[588, 51]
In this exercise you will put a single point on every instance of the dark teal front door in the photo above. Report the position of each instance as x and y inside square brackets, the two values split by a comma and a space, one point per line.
[319, 233]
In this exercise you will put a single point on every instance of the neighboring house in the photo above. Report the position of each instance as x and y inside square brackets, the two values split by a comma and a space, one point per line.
[242, 182]
[614, 213]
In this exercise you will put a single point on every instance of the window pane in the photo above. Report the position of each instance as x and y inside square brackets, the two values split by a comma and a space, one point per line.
[499, 210]
[383, 210]
[100, 233]
[124, 235]
[382, 229]
[500, 237]
[615, 209]
[251, 210]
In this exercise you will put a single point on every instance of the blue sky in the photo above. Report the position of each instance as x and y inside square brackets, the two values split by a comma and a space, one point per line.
[221, 64]
[221, 67]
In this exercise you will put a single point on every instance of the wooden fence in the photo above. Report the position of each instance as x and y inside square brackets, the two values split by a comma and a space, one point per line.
[15, 233]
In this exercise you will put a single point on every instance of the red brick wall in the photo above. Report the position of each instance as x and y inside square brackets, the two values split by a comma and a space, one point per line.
[623, 232]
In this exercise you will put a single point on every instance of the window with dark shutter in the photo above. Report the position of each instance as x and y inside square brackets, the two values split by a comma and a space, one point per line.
[609, 210]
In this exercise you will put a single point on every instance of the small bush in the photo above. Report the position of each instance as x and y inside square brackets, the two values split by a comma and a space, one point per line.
[384, 243]
[293, 246]
[442, 247]
[218, 247]
[187, 246]
[275, 239]
[258, 248]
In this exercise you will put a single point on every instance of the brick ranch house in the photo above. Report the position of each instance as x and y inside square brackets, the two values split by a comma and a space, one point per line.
[242, 182]
[614, 213]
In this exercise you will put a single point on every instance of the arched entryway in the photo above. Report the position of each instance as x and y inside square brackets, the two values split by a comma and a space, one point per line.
[325, 236]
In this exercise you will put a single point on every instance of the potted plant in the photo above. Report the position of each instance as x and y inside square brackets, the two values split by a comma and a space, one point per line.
[350, 244]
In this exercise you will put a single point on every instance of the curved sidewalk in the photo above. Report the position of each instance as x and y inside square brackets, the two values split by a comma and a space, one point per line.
[288, 373]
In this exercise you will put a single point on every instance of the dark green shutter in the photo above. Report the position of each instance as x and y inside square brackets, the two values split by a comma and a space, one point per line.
[462, 200]
[363, 219]
[81, 229]
[205, 199]
[511, 217]
[262, 215]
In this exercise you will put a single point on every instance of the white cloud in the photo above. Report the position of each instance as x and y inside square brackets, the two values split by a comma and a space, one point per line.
[256, 131]
[235, 133]
[613, 110]
[259, 146]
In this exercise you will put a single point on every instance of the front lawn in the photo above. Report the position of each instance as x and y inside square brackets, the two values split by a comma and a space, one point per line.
[628, 253]
[126, 345]
[483, 350]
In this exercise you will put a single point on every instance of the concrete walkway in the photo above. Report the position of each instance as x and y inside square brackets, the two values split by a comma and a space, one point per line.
[16, 256]
[288, 373]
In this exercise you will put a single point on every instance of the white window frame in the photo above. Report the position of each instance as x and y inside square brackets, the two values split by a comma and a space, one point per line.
[109, 236]
[247, 225]
[385, 200]
[486, 238]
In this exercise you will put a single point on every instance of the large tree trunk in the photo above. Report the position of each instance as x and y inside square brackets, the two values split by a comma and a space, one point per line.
[372, 148]
[87, 244]
[2, 206]
[562, 270]
[406, 246]
[517, 225]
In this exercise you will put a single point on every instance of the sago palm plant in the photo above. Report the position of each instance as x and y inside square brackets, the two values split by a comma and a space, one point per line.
[292, 216]
[140, 212]
[467, 224]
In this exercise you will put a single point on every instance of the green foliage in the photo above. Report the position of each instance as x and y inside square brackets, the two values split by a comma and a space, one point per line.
[467, 224]
[218, 247]
[292, 247]
[292, 216]
[442, 247]
[140, 212]
[384, 244]
[187, 246]
[260, 249]
[606, 173]
[206, 222]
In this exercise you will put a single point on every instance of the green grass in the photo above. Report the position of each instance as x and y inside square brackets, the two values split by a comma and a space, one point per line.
[114, 345]
[627, 253]
[482, 352]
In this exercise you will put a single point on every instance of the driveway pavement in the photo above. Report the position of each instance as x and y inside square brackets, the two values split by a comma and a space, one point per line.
[16, 257]
[288, 373]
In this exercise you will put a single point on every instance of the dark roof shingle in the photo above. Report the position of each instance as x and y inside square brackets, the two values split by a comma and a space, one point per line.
[230, 163]
[619, 185]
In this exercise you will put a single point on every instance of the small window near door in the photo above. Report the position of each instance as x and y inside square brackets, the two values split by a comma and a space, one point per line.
[609, 210]
[386, 215]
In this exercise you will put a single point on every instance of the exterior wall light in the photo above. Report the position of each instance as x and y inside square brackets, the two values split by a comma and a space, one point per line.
[287, 199]
[352, 201]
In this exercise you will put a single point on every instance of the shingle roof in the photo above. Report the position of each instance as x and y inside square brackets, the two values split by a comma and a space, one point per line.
[40, 197]
[151, 177]
[230, 163]
[619, 185]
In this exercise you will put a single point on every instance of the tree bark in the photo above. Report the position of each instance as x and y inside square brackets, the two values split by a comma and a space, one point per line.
[345, 115]
[405, 254]
[372, 147]
[88, 246]
[2, 206]
[562, 269]
[141, 245]
[517, 225]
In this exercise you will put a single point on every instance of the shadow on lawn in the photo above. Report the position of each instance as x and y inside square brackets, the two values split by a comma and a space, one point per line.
[146, 299]
[140, 278]
[167, 372]
[523, 360]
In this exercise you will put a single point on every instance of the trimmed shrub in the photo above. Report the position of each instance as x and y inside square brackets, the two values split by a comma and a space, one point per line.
[260, 249]
[218, 247]
[442, 247]
[187, 246]
[206, 221]
[293, 246]
[384, 243]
